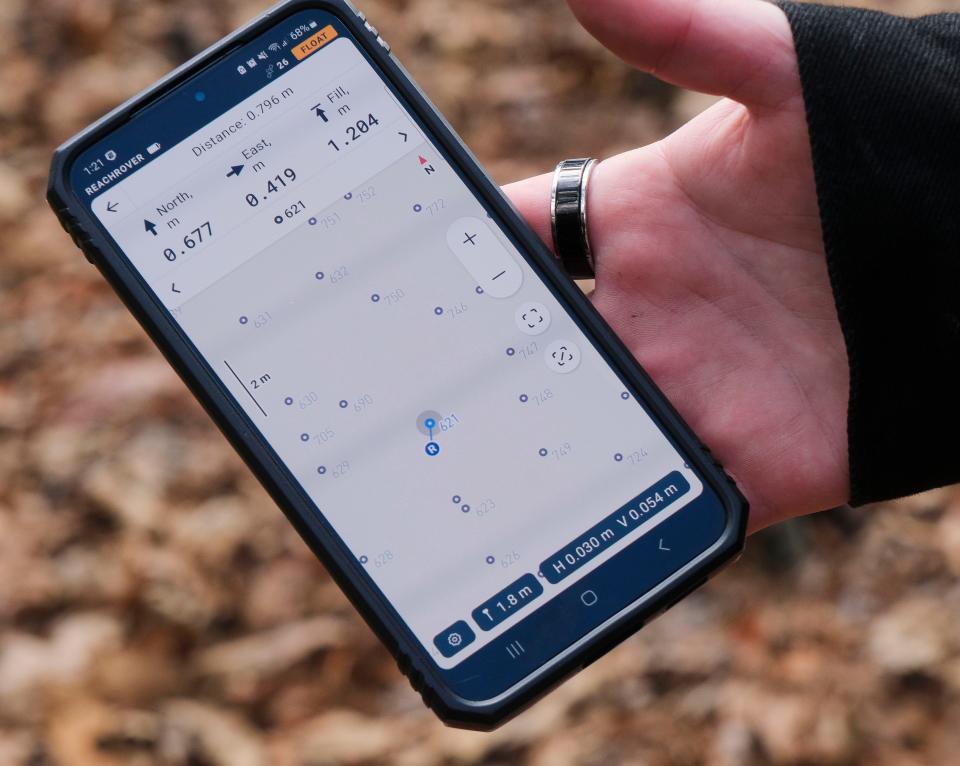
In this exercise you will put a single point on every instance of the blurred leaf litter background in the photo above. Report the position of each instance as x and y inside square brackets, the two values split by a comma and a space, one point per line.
[155, 607]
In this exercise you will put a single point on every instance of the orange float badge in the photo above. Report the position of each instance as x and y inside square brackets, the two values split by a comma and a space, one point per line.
[314, 43]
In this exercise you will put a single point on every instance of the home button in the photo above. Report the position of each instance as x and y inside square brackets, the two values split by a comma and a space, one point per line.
[589, 598]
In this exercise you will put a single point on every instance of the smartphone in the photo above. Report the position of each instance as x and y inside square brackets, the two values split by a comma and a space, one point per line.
[482, 466]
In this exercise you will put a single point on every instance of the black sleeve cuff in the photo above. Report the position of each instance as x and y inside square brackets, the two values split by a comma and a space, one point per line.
[882, 97]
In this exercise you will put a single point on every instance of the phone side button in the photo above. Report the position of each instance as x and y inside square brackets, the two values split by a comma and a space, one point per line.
[384, 44]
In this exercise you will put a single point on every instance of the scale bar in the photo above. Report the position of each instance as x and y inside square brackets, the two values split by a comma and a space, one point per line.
[245, 388]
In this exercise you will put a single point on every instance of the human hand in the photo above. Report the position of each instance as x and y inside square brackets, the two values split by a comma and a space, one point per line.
[709, 254]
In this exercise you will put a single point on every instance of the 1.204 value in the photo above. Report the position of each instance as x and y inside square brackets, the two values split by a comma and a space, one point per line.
[355, 131]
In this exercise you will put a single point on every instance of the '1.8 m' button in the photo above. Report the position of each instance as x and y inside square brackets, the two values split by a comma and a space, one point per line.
[454, 638]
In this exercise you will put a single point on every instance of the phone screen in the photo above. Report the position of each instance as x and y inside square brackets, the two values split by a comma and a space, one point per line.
[464, 438]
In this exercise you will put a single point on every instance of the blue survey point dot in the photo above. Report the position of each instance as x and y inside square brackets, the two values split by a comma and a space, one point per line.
[343, 404]
[432, 449]
[438, 311]
[524, 398]
[288, 401]
[479, 290]
[364, 559]
[511, 351]
[430, 423]
[491, 560]
[375, 298]
[312, 221]
[465, 508]
[543, 452]
[348, 196]
[456, 499]
[618, 457]
[417, 208]
[624, 396]
[304, 437]
[319, 275]
[322, 470]
[243, 320]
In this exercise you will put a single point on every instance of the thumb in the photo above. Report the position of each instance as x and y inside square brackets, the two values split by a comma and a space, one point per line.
[742, 49]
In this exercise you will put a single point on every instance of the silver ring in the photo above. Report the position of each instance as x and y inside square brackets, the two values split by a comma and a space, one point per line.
[568, 217]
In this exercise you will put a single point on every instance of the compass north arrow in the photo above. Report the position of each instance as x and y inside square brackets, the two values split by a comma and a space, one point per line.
[318, 109]
[150, 226]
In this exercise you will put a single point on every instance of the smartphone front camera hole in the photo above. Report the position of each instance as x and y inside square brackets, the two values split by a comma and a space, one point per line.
[200, 96]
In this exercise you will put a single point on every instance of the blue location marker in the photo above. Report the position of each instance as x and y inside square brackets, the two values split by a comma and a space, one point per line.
[624, 396]
[479, 290]
[312, 221]
[456, 499]
[288, 401]
[375, 298]
[322, 470]
[319, 275]
[543, 452]
[417, 208]
[511, 351]
[364, 559]
[430, 424]
[618, 457]
[304, 437]
[344, 404]
[243, 320]
[438, 311]
[432, 449]
[348, 196]
[524, 398]
[465, 508]
[491, 560]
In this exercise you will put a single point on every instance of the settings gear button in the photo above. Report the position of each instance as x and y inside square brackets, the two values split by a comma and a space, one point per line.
[458, 636]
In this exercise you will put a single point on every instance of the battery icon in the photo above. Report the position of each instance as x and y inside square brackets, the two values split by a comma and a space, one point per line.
[313, 25]
[153, 148]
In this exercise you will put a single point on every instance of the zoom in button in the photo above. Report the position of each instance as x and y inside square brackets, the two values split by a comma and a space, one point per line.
[458, 636]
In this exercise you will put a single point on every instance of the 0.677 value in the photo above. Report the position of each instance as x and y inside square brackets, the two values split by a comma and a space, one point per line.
[192, 239]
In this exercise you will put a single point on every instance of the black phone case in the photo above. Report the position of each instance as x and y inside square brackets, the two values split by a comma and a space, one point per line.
[412, 659]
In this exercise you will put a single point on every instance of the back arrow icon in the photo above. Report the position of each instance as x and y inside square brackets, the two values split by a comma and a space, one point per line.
[111, 207]
[662, 547]
[173, 287]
